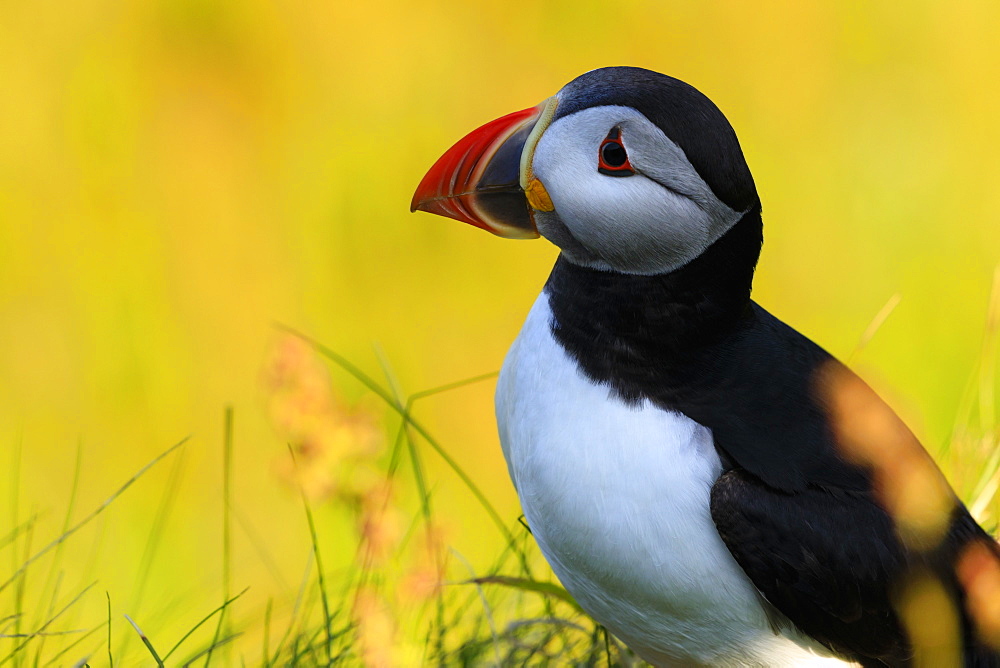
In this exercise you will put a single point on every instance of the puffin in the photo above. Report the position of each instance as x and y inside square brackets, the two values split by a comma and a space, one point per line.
[710, 485]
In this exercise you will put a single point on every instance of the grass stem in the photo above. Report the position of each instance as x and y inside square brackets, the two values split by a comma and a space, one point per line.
[227, 476]
[146, 642]
[320, 575]
[79, 525]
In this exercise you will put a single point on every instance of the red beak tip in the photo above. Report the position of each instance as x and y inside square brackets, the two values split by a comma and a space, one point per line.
[453, 187]
[427, 206]
[419, 203]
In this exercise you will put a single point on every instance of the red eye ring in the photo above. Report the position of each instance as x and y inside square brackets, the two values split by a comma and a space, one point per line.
[612, 158]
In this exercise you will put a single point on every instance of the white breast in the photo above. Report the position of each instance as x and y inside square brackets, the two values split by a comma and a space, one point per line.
[617, 497]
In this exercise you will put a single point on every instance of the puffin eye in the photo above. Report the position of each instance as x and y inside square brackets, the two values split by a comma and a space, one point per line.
[612, 158]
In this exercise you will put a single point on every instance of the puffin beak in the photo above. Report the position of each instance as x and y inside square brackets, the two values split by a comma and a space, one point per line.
[482, 180]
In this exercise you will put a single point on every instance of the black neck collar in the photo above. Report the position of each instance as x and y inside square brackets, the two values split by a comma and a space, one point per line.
[697, 304]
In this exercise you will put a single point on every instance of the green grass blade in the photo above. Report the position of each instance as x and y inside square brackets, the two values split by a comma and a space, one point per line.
[15, 498]
[150, 550]
[259, 545]
[16, 532]
[265, 652]
[212, 648]
[111, 659]
[15, 490]
[448, 387]
[7, 621]
[56, 558]
[415, 462]
[327, 618]
[22, 583]
[31, 636]
[549, 589]
[368, 382]
[422, 490]
[145, 641]
[51, 608]
[67, 648]
[486, 608]
[299, 597]
[203, 620]
[309, 647]
[79, 525]
[988, 358]
[227, 501]
[43, 634]
[67, 518]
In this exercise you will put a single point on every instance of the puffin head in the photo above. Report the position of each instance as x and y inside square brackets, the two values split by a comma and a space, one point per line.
[624, 169]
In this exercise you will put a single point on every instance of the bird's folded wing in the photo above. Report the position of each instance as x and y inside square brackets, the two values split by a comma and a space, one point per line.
[825, 561]
[841, 569]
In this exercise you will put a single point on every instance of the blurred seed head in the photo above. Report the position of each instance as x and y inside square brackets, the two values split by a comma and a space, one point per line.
[380, 524]
[978, 571]
[908, 484]
[376, 629]
[334, 446]
[931, 621]
[425, 576]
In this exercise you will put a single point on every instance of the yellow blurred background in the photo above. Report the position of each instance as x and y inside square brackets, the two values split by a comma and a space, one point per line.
[178, 176]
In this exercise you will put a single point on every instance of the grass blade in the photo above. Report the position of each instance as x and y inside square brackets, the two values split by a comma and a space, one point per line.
[68, 516]
[203, 620]
[447, 387]
[422, 491]
[876, 324]
[259, 546]
[111, 659]
[79, 525]
[544, 588]
[299, 597]
[73, 644]
[15, 494]
[227, 502]
[17, 531]
[150, 550]
[42, 634]
[44, 626]
[368, 382]
[145, 641]
[212, 648]
[22, 583]
[52, 606]
[486, 608]
[327, 618]
[265, 652]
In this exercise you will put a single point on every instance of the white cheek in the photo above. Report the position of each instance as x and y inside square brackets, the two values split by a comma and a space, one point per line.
[630, 222]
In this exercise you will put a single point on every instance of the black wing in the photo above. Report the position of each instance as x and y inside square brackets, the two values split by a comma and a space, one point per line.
[837, 559]
[833, 564]
[825, 562]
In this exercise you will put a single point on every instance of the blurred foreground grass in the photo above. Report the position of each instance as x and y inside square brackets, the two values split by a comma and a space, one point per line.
[405, 597]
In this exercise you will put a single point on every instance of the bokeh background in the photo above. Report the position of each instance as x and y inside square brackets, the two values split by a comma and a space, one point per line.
[177, 176]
